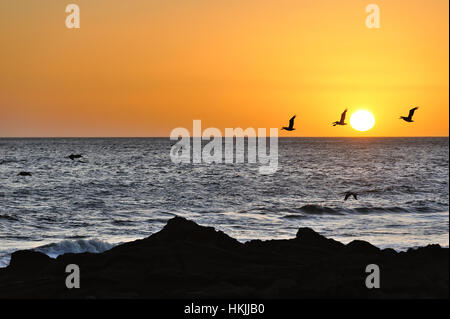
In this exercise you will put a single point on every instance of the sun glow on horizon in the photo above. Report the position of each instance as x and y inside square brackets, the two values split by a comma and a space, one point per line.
[362, 120]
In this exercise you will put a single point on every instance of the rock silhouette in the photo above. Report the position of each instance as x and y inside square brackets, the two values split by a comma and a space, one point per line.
[185, 260]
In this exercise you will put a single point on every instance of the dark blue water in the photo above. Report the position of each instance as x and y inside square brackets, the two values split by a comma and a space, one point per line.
[128, 188]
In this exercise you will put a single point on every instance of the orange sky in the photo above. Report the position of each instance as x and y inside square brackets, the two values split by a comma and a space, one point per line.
[144, 67]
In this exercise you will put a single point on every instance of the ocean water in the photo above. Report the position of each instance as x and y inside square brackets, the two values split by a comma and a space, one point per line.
[127, 188]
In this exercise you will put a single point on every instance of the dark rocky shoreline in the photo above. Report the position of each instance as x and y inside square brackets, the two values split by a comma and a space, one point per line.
[185, 260]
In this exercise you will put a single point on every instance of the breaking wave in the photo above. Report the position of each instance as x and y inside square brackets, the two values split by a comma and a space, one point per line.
[53, 250]
[8, 217]
[75, 246]
[318, 209]
[312, 209]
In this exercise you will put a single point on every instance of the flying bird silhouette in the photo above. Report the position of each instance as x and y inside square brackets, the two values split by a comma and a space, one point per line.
[409, 117]
[348, 194]
[291, 125]
[342, 121]
[74, 156]
[24, 174]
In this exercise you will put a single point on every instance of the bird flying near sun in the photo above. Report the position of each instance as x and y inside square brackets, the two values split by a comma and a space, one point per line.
[362, 120]
[291, 125]
[410, 115]
[342, 120]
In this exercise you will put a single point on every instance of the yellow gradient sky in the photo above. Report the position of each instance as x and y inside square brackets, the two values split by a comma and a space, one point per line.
[144, 67]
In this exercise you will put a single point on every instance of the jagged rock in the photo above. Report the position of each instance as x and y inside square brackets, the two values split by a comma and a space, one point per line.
[361, 247]
[28, 260]
[309, 237]
[181, 229]
[186, 260]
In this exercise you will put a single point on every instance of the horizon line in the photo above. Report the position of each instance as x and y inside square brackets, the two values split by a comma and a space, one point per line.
[168, 137]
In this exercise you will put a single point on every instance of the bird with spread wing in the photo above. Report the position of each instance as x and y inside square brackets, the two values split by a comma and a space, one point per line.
[409, 117]
[342, 121]
[291, 125]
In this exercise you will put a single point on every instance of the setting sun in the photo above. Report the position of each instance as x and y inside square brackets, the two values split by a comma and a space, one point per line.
[362, 120]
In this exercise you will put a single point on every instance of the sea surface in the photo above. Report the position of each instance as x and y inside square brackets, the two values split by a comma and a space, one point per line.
[127, 188]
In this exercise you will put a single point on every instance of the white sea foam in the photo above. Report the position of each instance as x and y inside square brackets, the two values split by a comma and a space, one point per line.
[74, 246]
[53, 250]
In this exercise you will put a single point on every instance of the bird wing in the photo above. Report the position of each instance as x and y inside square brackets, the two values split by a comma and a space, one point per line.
[343, 116]
[291, 121]
[347, 195]
[411, 112]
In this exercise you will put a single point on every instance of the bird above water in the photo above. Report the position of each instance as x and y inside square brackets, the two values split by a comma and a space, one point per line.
[24, 174]
[74, 156]
[409, 117]
[291, 125]
[342, 121]
[348, 194]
